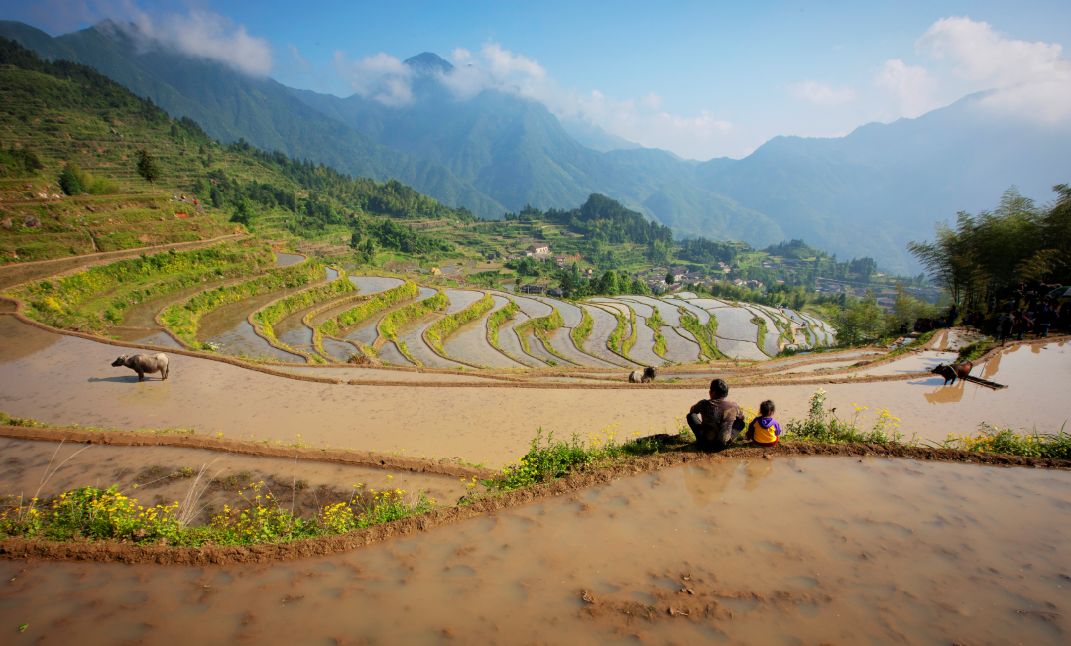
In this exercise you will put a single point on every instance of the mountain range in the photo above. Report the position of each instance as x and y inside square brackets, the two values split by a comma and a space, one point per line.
[867, 193]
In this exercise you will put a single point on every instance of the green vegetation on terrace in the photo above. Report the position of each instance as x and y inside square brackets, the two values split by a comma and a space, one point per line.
[1004, 441]
[581, 332]
[266, 318]
[614, 341]
[183, 318]
[375, 303]
[499, 318]
[391, 323]
[93, 298]
[62, 116]
[440, 330]
[655, 322]
[704, 334]
[89, 513]
[761, 323]
[539, 326]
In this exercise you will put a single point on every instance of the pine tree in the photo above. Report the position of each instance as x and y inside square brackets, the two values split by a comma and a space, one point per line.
[147, 168]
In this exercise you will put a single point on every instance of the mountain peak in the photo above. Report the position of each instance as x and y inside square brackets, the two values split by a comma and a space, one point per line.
[428, 62]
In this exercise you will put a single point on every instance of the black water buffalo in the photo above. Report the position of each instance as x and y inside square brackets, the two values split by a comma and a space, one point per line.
[144, 364]
[954, 371]
[646, 376]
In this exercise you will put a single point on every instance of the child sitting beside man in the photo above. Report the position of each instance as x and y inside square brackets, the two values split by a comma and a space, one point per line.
[764, 429]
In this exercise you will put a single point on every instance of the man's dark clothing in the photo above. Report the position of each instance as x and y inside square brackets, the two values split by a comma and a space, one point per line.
[715, 423]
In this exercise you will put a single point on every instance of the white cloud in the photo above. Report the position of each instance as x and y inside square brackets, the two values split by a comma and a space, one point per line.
[504, 63]
[382, 77]
[821, 93]
[196, 34]
[1030, 78]
[911, 86]
[651, 100]
[981, 53]
[639, 119]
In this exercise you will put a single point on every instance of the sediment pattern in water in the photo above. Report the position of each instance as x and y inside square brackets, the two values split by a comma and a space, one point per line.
[413, 339]
[461, 298]
[561, 342]
[375, 284]
[390, 353]
[680, 349]
[643, 351]
[470, 342]
[511, 343]
[603, 323]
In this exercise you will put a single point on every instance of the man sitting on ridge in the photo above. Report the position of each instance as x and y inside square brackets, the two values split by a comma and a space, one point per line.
[716, 421]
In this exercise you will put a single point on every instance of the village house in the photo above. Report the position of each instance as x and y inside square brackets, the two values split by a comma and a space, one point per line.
[560, 260]
[538, 249]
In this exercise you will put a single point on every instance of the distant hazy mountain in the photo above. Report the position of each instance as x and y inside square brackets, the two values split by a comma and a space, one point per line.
[886, 184]
[867, 193]
[592, 136]
[516, 151]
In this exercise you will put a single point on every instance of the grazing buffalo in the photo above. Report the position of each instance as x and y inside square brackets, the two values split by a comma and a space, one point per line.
[144, 364]
[951, 373]
[646, 376]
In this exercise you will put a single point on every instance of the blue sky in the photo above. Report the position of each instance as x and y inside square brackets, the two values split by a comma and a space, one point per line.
[700, 79]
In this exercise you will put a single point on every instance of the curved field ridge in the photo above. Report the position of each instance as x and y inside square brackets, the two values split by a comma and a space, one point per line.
[436, 333]
[96, 296]
[182, 319]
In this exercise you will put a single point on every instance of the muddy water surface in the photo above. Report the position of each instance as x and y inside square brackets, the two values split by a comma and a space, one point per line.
[154, 475]
[67, 380]
[470, 343]
[679, 348]
[603, 323]
[460, 299]
[144, 314]
[412, 337]
[373, 284]
[152, 336]
[287, 259]
[560, 341]
[509, 341]
[768, 552]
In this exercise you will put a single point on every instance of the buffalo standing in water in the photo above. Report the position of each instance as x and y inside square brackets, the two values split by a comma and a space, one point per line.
[647, 376]
[144, 364]
[951, 373]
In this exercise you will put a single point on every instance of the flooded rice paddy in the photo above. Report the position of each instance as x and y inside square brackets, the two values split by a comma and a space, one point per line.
[495, 425]
[287, 259]
[375, 284]
[783, 551]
